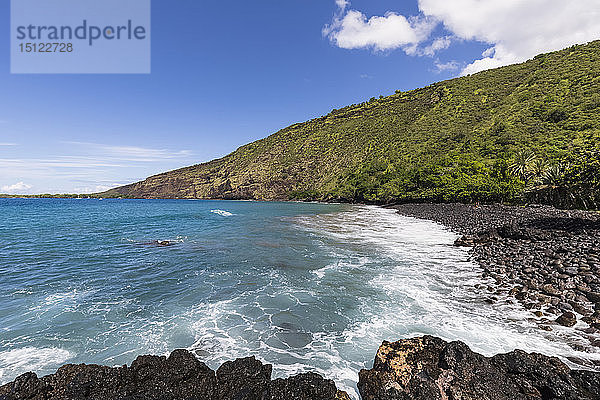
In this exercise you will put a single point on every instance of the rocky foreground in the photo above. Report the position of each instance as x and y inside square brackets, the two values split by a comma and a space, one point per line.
[429, 368]
[424, 368]
[181, 376]
[544, 258]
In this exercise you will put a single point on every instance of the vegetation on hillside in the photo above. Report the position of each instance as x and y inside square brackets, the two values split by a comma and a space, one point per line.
[499, 135]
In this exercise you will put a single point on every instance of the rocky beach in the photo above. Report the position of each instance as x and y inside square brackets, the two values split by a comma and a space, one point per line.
[546, 259]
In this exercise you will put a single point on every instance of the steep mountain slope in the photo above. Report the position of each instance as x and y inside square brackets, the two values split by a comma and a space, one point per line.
[453, 140]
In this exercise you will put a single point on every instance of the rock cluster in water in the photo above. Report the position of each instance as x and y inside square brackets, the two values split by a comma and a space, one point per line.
[547, 259]
[429, 368]
[181, 376]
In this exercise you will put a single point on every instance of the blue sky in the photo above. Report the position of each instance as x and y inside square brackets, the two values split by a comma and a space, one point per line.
[228, 73]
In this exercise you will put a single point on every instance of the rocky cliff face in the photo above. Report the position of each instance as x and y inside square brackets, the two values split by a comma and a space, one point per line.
[178, 377]
[429, 368]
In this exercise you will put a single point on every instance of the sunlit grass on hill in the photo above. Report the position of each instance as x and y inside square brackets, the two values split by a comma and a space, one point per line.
[452, 141]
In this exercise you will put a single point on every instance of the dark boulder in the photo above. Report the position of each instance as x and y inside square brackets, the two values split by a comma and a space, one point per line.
[255, 375]
[429, 368]
[309, 386]
[181, 376]
[593, 297]
[567, 319]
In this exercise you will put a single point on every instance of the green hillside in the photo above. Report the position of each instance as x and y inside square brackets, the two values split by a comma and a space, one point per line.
[457, 140]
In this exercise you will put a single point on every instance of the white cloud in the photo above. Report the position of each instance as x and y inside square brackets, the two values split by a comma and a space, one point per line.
[489, 52]
[19, 187]
[342, 4]
[95, 166]
[95, 188]
[8, 144]
[438, 44]
[447, 66]
[134, 153]
[516, 30]
[58, 162]
[353, 30]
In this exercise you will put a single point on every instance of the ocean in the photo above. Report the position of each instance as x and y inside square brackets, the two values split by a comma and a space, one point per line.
[305, 287]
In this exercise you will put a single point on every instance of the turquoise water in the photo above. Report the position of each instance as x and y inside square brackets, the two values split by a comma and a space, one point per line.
[306, 287]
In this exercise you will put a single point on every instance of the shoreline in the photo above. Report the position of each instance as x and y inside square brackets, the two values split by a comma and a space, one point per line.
[545, 259]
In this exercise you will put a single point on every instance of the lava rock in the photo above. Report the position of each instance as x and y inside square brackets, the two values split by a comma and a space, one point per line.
[181, 376]
[567, 319]
[593, 297]
[307, 386]
[429, 368]
[255, 375]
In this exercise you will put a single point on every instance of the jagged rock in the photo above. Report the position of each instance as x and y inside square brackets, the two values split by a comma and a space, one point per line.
[307, 386]
[181, 376]
[256, 376]
[429, 368]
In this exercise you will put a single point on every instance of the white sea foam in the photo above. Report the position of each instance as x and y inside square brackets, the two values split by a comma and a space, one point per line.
[222, 213]
[429, 288]
[61, 302]
[17, 361]
[322, 271]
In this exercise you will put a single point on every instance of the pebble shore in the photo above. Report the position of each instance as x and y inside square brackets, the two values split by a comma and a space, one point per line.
[546, 259]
